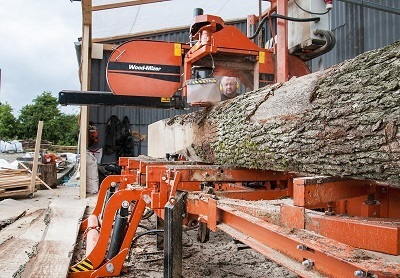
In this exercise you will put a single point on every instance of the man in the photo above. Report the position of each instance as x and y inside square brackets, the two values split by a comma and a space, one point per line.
[228, 87]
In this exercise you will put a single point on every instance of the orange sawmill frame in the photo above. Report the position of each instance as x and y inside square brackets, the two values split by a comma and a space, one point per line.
[307, 234]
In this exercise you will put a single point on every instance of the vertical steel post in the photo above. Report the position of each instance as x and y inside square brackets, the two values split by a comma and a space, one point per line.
[173, 215]
[282, 55]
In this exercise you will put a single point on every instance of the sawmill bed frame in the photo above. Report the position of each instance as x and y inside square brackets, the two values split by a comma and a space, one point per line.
[314, 226]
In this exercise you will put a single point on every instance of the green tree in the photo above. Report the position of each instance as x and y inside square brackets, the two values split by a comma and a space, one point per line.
[70, 123]
[8, 123]
[57, 127]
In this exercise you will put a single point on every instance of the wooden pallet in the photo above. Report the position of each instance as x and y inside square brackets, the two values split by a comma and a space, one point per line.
[15, 182]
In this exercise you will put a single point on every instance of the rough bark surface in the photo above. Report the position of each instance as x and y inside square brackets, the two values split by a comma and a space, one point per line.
[343, 121]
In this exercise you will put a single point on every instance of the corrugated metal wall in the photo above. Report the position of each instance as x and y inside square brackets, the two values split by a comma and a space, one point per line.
[357, 29]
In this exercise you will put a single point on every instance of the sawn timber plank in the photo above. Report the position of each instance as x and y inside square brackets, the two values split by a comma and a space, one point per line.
[54, 252]
[11, 210]
[18, 242]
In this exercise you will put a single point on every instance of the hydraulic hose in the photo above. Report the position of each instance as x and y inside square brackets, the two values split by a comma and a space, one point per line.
[315, 19]
[275, 15]
[330, 41]
[150, 232]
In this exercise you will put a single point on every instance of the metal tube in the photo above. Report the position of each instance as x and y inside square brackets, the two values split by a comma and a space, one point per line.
[197, 11]
[119, 230]
[330, 41]
[92, 235]
[109, 193]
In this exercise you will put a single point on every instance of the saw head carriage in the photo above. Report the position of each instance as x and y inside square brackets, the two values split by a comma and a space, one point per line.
[192, 71]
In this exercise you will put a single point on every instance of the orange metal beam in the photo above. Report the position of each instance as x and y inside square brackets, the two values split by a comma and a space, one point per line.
[214, 173]
[282, 60]
[253, 195]
[316, 192]
[327, 256]
[382, 236]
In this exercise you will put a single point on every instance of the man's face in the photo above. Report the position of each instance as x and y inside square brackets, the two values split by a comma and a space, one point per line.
[229, 87]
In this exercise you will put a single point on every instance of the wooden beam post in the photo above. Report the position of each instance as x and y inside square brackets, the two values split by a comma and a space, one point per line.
[36, 156]
[85, 86]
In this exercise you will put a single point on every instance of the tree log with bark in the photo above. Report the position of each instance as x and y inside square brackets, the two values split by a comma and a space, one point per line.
[342, 121]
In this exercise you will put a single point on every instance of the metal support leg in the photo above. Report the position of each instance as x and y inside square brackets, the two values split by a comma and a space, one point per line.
[173, 215]
[159, 239]
[203, 233]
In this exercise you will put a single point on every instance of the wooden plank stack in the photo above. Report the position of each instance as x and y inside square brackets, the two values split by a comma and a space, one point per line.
[63, 149]
[15, 182]
[29, 144]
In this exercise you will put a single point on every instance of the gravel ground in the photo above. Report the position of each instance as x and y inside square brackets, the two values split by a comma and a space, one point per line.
[10, 157]
[221, 256]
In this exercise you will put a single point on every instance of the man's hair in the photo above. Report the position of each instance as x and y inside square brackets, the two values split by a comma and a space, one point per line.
[228, 77]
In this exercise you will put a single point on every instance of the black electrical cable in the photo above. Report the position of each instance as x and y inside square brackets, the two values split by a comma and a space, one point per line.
[275, 15]
[304, 10]
[147, 214]
[151, 232]
[258, 28]
[316, 19]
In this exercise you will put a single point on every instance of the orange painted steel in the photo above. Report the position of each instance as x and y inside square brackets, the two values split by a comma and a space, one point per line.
[216, 39]
[292, 217]
[253, 195]
[289, 234]
[316, 192]
[282, 54]
[328, 256]
[161, 69]
[102, 267]
[143, 68]
[121, 180]
[363, 231]
[379, 235]
[215, 173]
[232, 44]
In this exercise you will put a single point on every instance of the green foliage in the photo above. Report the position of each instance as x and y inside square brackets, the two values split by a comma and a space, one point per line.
[59, 128]
[8, 123]
[70, 123]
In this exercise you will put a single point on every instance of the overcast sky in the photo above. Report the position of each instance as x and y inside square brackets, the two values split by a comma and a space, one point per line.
[37, 51]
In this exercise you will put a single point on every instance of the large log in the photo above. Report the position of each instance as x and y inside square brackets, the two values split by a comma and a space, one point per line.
[342, 121]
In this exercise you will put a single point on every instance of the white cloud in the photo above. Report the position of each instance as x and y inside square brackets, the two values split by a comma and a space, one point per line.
[37, 52]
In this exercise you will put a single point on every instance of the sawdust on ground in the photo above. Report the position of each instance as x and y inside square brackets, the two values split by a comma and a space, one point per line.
[221, 256]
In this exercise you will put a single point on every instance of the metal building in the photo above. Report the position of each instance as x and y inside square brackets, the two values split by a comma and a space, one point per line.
[358, 28]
